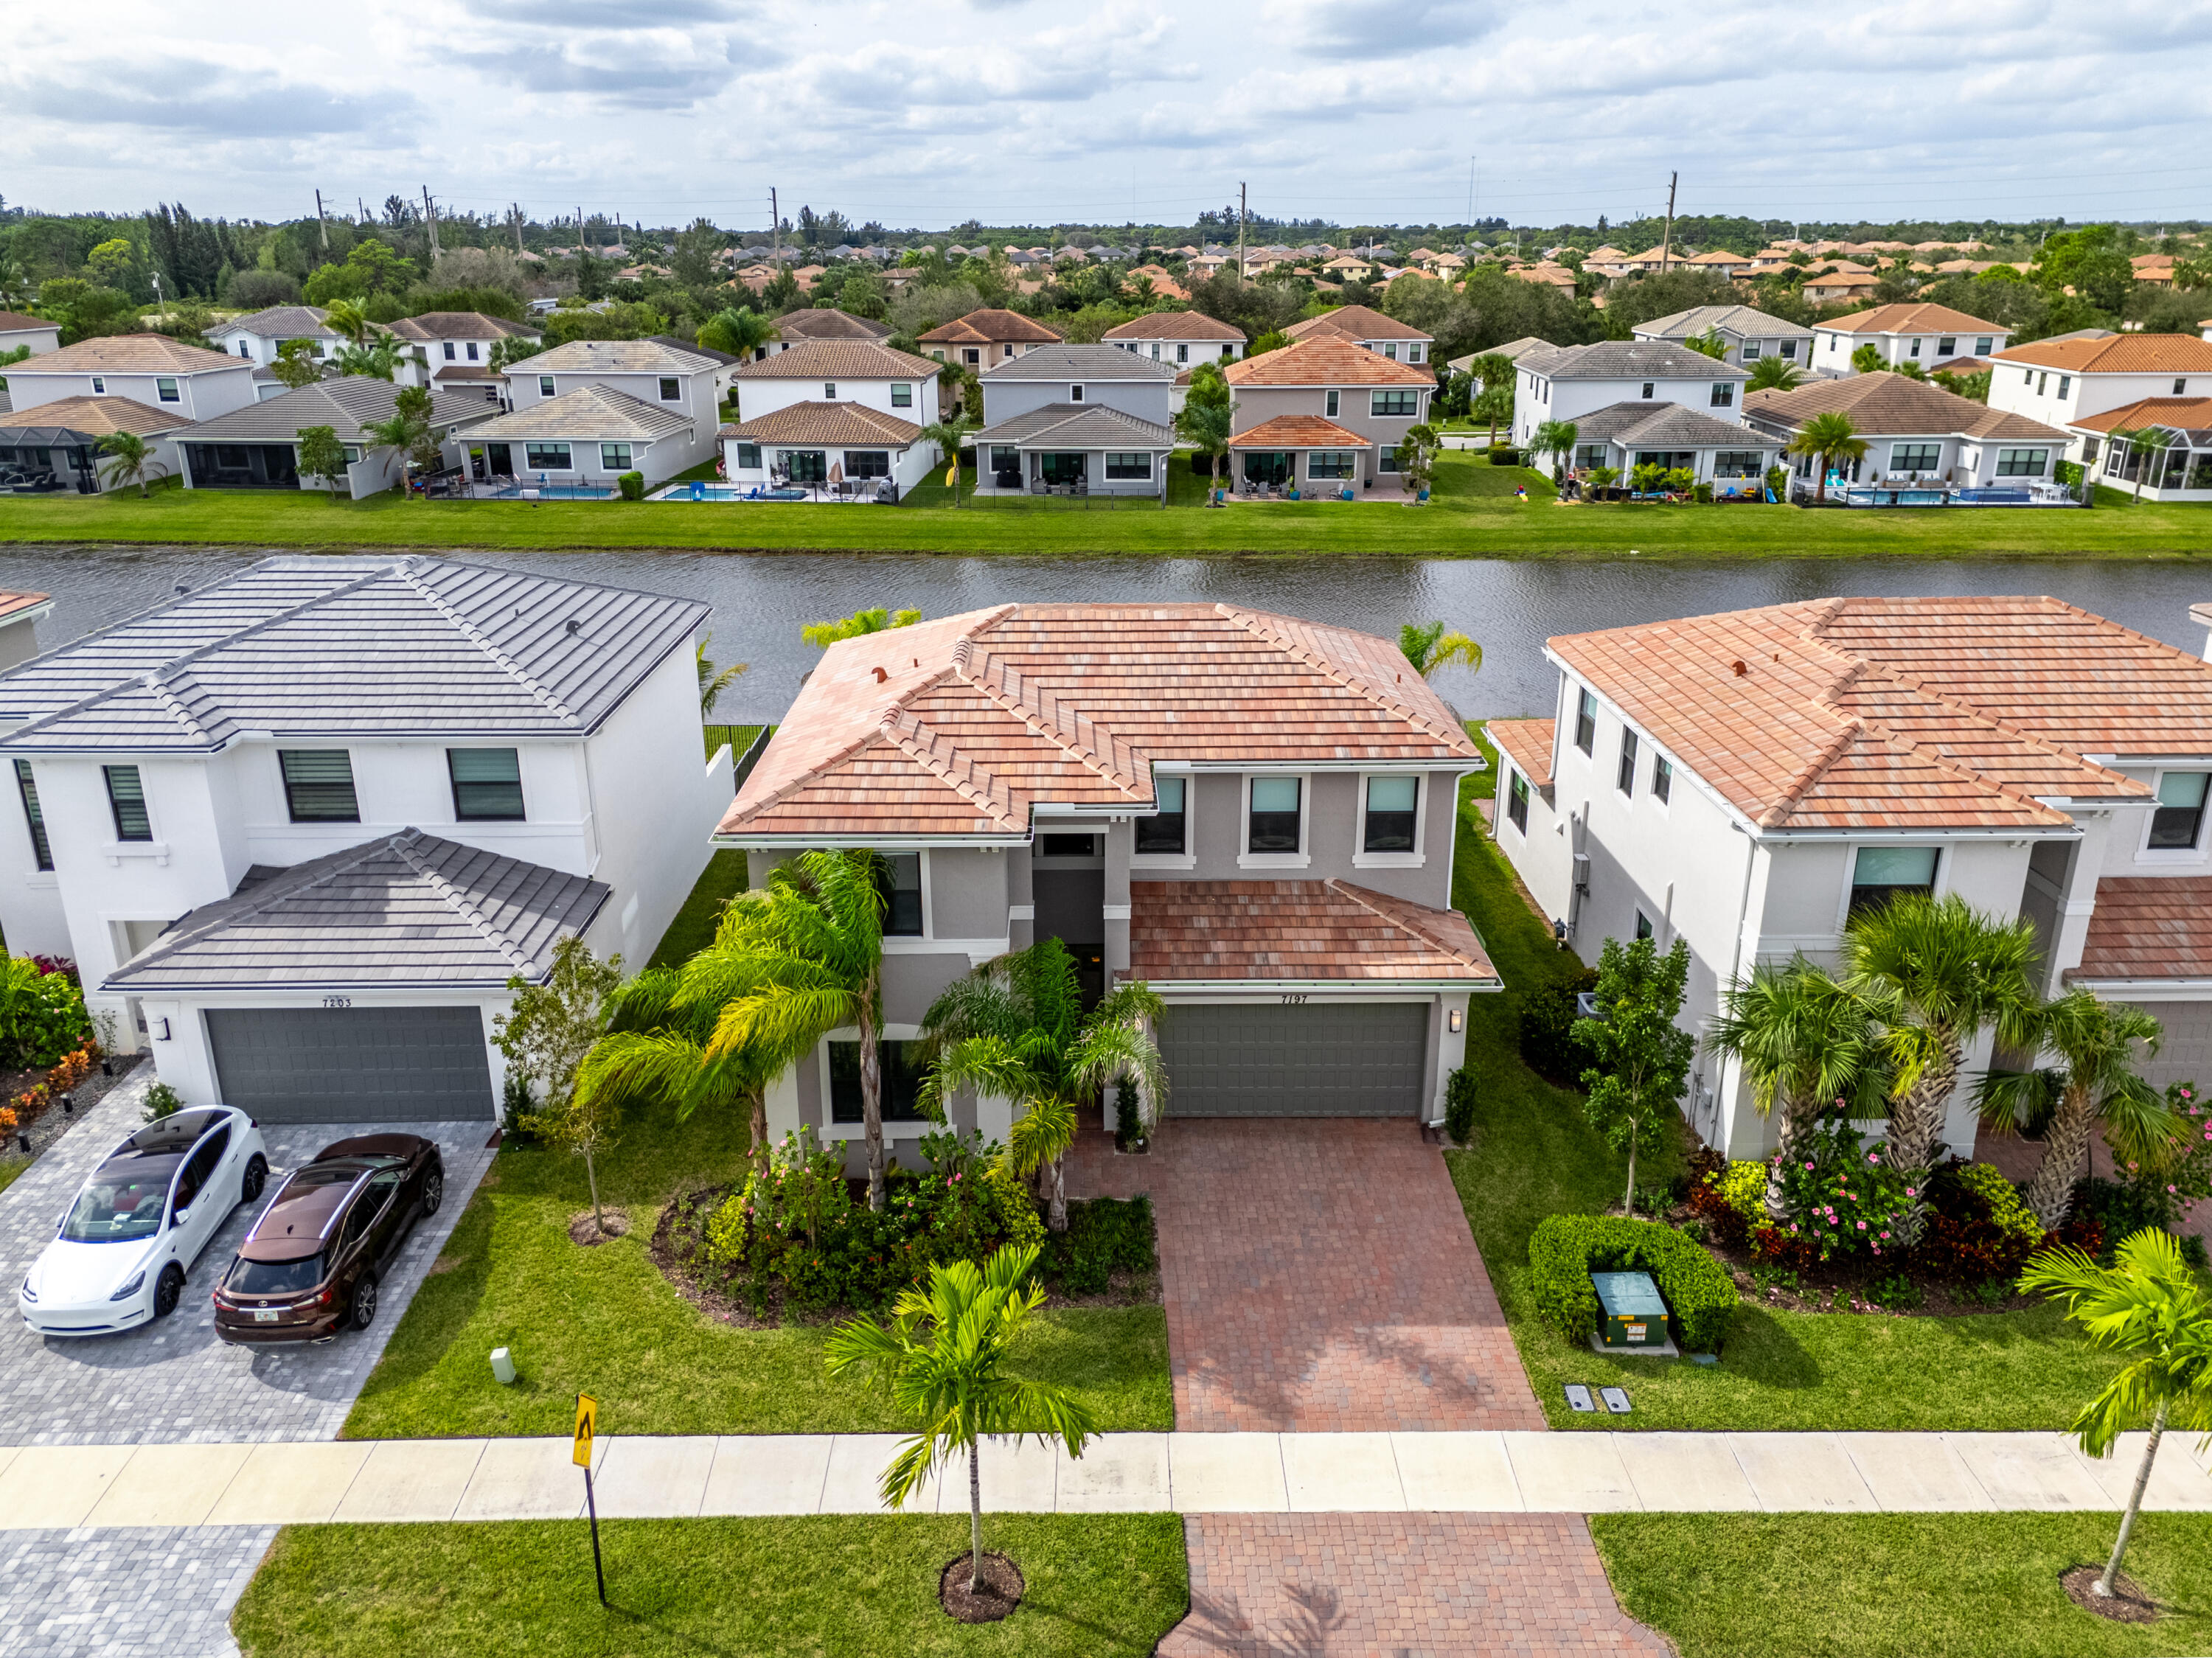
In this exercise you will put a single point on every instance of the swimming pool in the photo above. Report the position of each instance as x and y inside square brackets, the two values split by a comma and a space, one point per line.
[559, 492]
[727, 492]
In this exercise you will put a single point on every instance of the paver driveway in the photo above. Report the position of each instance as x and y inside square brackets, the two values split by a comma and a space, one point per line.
[1319, 1276]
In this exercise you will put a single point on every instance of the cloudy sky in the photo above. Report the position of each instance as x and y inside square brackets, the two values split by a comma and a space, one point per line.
[928, 112]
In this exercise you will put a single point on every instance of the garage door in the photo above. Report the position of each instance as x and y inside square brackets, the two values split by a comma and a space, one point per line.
[1321, 1060]
[353, 1065]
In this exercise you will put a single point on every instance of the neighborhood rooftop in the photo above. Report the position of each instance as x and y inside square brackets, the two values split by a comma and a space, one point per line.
[94, 416]
[1174, 325]
[591, 412]
[1353, 322]
[794, 325]
[990, 328]
[460, 325]
[1079, 362]
[1883, 405]
[1740, 320]
[128, 353]
[1324, 363]
[647, 356]
[1910, 319]
[288, 322]
[1628, 360]
[839, 360]
[346, 405]
[2110, 354]
[1226, 933]
[825, 424]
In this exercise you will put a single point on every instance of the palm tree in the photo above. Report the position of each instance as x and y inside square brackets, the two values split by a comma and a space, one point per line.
[1556, 438]
[378, 360]
[2097, 1044]
[1827, 435]
[713, 680]
[2150, 1306]
[1494, 405]
[1936, 973]
[2146, 441]
[131, 461]
[1804, 1041]
[1775, 374]
[409, 432]
[14, 285]
[948, 435]
[796, 959]
[942, 1359]
[823, 635]
[1015, 1028]
[347, 316]
[738, 333]
[1428, 646]
[1206, 427]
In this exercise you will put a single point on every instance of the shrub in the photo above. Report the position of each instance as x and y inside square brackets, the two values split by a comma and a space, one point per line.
[1459, 1105]
[42, 1014]
[1565, 1249]
[1703, 494]
[162, 1101]
[1104, 1235]
[1840, 1196]
[1503, 455]
[1732, 1197]
[632, 485]
[1548, 1042]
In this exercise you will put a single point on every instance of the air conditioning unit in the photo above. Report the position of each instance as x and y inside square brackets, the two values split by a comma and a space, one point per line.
[1582, 872]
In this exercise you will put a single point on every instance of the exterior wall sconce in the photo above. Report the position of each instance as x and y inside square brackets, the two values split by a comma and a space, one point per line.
[161, 1030]
[1452, 1019]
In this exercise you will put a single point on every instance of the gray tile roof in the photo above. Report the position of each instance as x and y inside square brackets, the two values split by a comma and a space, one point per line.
[1665, 426]
[1079, 362]
[463, 325]
[590, 414]
[614, 357]
[349, 648]
[406, 910]
[1077, 425]
[1628, 360]
[1512, 351]
[346, 405]
[1742, 320]
[283, 322]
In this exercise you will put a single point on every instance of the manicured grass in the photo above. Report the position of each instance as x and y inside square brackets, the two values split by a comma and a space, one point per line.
[1473, 515]
[693, 926]
[13, 1170]
[1534, 1155]
[603, 1321]
[827, 1587]
[1904, 1585]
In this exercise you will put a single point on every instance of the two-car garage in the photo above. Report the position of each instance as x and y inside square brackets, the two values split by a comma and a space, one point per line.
[352, 1064]
[1305, 1058]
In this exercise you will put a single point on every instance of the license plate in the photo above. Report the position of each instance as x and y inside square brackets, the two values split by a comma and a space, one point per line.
[266, 1314]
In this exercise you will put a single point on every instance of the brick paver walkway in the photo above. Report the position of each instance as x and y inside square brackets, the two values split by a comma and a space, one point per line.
[1273, 1585]
[1319, 1277]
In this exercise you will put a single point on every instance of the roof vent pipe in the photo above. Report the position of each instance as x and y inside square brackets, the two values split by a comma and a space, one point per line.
[575, 626]
[880, 675]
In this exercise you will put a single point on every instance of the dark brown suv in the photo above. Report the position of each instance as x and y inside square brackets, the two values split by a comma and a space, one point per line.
[310, 1265]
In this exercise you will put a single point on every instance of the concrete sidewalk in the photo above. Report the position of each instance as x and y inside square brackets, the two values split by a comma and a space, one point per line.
[104, 1486]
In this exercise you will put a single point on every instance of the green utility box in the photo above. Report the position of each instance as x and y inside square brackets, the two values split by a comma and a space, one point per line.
[1631, 1313]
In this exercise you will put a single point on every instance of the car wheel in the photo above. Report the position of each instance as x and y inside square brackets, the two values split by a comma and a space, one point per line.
[168, 1290]
[364, 1303]
[257, 1176]
[433, 1188]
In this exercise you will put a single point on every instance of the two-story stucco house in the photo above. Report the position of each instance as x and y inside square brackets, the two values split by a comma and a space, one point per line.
[1566, 382]
[18, 330]
[1371, 330]
[1747, 334]
[298, 828]
[849, 407]
[186, 380]
[588, 412]
[1185, 338]
[1250, 813]
[1933, 336]
[1747, 781]
[1082, 419]
[451, 350]
[1913, 430]
[1324, 415]
[983, 339]
[800, 327]
[2059, 381]
[258, 336]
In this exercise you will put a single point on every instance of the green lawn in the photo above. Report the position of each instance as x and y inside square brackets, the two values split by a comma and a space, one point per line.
[1534, 1155]
[11, 1170]
[1473, 514]
[1902, 1585]
[694, 925]
[829, 1587]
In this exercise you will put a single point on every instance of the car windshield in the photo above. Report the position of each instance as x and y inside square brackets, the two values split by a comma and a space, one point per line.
[122, 1202]
[276, 1277]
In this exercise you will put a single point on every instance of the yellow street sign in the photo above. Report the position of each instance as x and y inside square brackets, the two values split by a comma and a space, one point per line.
[587, 1424]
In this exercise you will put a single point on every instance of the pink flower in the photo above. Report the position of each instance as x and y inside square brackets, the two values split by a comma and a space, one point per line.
[1808, 1165]
[1885, 1234]
[1910, 1192]
[1872, 1157]
[1861, 1226]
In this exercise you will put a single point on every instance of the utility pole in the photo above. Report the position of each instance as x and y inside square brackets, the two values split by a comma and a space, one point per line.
[1667, 242]
[775, 231]
[322, 220]
[363, 206]
[1241, 214]
[430, 218]
[517, 211]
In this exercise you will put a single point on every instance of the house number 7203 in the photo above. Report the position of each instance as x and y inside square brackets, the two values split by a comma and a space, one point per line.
[1293, 999]
[337, 1001]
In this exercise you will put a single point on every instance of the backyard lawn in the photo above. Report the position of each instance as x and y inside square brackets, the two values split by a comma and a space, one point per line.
[1473, 514]
[824, 1587]
[1534, 1155]
[1902, 1585]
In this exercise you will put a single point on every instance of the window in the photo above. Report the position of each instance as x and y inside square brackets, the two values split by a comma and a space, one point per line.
[1182, 353]
[973, 354]
[166, 389]
[352, 452]
[2021, 463]
[901, 395]
[1135, 464]
[867, 464]
[1067, 846]
[1075, 394]
[1945, 348]
[1751, 352]
[1330, 401]
[472, 351]
[1274, 826]
[2179, 387]
[1646, 392]
[1915, 457]
[1642, 925]
[545, 385]
[1916, 349]
[807, 466]
[1662, 779]
[1517, 802]
[126, 800]
[748, 458]
[1413, 352]
[245, 348]
[614, 457]
[1985, 344]
[318, 785]
[2065, 384]
[2042, 383]
[829, 391]
[1624, 777]
[1391, 803]
[451, 355]
[1329, 464]
[672, 390]
[901, 1074]
[487, 785]
[900, 882]
[1724, 395]
[2180, 815]
[1738, 463]
[1789, 350]
[1005, 350]
[1882, 872]
[1585, 721]
[1005, 458]
[547, 457]
[40, 847]
[99, 386]
[1164, 833]
[1390, 349]
[1393, 402]
[1388, 462]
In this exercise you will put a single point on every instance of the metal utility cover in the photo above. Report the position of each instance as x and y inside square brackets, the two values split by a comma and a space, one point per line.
[353, 1065]
[1634, 1315]
[1317, 1060]
[1616, 1399]
[1579, 1397]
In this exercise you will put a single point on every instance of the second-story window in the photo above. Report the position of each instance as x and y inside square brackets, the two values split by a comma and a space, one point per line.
[1516, 801]
[1331, 400]
[318, 785]
[1274, 826]
[166, 389]
[1391, 403]
[2180, 818]
[126, 800]
[27, 785]
[1662, 779]
[900, 882]
[901, 395]
[452, 356]
[487, 785]
[1585, 721]
[545, 385]
[1391, 803]
[1724, 395]
[1881, 873]
[672, 390]
[1624, 777]
[1164, 832]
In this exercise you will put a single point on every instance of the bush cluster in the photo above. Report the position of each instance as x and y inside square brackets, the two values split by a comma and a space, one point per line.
[1730, 1198]
[44, 1016]
[1839, 1198]
[1565, 1249]
[1459, 1105]
[1549, 1046]
[1104, 1235]
[632, 486]
[1977, 1227]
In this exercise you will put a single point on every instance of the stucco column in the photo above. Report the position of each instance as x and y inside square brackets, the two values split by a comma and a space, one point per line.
[1021, 899]
[1120, 840]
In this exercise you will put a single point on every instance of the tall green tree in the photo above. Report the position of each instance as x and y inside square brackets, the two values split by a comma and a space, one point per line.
[545, 1035]
[823, 635]
[130, 461]
[737, 331]
[296, 365]
[1556, 438]
[378, 360]
[1430, 645]
[1417, 455]
[409, 432]
[1829, 436]
[1207, 427]
[321, 455]
[1642, 1055]
[349, 318]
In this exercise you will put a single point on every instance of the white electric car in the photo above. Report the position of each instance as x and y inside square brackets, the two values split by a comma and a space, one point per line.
[119, 1258]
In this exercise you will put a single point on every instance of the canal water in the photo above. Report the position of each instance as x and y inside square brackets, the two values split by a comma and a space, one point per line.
[1511, 606]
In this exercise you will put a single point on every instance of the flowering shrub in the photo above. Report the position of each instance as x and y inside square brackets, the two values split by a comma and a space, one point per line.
[42, 1014]
[1837, 1196]
[1732, 1198]
[1977, 1227]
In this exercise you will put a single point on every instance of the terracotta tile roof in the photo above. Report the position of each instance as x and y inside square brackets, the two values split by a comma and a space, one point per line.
[817, 324]
[1913, 320]
[1326, 361]
[1295, 932]
[2113, 354]
[1174, 325]
[1902, 713]
[959, 726]
[1528, 745]
[2149, 926]
[95, 415]
[825, 424]
[1299, 431]
[14, 604]
[1354, 322]
[990, 328]
[1883, 405]
[2176, 413]
[131, 354]
[839, 360]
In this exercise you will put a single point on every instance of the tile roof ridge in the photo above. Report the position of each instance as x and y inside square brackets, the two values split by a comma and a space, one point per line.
[469, 630]
[1256, 623]
[406, 844]
[1777, 812]
[1048, 714]
[1375, 904]
[184, 716]
[941, 758]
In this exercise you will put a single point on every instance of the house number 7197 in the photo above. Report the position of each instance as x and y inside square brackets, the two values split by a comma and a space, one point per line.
[1292, 998]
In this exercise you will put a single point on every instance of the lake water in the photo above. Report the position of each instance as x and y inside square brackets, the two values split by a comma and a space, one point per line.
[760, 601]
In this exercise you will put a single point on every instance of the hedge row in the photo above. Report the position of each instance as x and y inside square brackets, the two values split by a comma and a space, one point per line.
[1565, 1249]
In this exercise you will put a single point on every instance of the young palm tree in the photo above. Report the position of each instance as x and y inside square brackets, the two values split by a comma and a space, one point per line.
[1775, 374]
[823, 635]
[130, 461]
[347, 316]
[1937, 973]
[1493, 404]
[942, 1359]
[377, 360]
[738, 333]
[2098, 1044]
[1557, 438]
[948, 434]
[796, 959]
[2150, 1306]
[1827, 435]
[1206, 427]
[409, 432]
[713, 680]
[1429, 645]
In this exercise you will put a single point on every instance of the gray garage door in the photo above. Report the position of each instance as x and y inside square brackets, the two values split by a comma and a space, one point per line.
[353, 1065]
[1320, 1059]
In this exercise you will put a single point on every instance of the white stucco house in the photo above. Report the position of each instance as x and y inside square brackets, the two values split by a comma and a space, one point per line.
[1747, 781]
[1935, 336]
[452, 350]
[2059, 381]
[258, 336]
[188, 380]
[299, 829]
[1093, 419]
[1913, 430]
[1364, 325]
[625, 405]
[258, 447]
[1748, 334]
[17, 330]
[1564, 383]
[834, 416]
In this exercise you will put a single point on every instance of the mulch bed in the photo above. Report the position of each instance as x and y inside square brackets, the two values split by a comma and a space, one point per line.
[585, 1228]
[2126, 1603]
[995, 1597]
[51, 1124]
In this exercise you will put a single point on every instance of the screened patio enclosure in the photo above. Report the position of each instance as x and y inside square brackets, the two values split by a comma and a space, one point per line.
[243, 465]
[47, 457]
